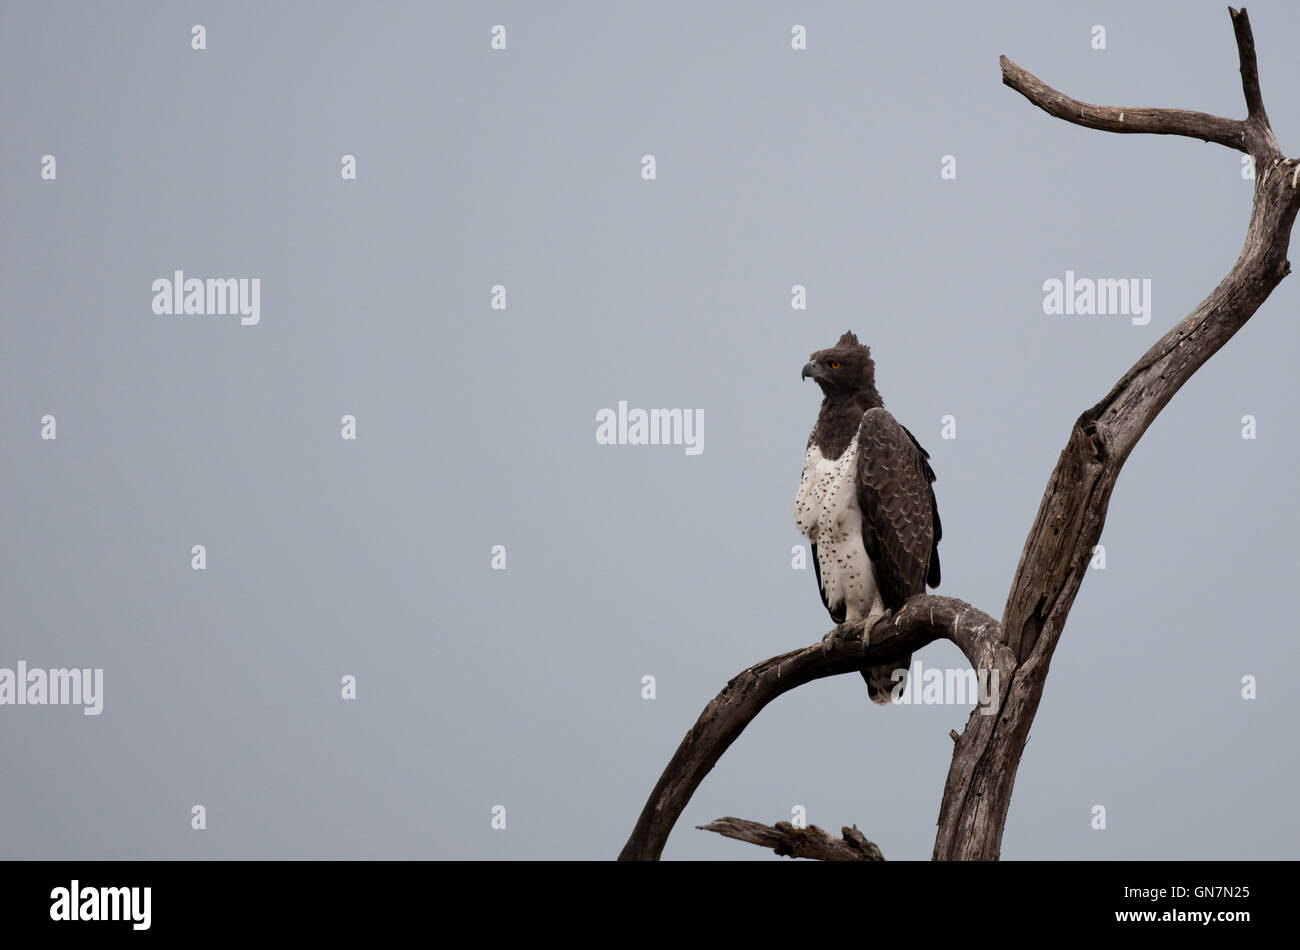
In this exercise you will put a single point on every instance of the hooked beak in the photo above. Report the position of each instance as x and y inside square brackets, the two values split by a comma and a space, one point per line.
[813, 370]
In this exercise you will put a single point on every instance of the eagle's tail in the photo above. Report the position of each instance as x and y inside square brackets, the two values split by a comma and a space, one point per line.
[881, 682]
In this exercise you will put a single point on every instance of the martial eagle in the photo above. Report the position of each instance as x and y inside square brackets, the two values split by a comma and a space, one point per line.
[865, 501]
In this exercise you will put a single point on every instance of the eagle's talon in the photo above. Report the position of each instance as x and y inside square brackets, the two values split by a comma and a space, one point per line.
[879, 620]
[859, 632]
[828, 641]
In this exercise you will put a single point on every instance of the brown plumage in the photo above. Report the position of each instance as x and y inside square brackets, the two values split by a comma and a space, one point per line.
[866, 490]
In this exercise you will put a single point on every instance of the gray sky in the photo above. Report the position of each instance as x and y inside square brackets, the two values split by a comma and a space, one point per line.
[476, 427]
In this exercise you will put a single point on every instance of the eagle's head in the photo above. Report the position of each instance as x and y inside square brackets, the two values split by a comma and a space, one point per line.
[846, 368]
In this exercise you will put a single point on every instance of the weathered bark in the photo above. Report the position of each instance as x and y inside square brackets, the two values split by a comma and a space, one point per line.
[791, 842]
[1070, 517]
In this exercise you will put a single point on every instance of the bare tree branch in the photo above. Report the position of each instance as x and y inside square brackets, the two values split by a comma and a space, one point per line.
[1251, 135]
[791, 842]
[1249, 68]
[1131, 119]
[1070, 517]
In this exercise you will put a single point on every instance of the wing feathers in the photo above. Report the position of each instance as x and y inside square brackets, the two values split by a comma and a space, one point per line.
[900, 519]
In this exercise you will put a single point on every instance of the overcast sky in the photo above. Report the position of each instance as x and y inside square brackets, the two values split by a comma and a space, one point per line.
[476, 427]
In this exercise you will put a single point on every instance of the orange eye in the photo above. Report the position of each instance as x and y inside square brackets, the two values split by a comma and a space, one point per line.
[835, 364]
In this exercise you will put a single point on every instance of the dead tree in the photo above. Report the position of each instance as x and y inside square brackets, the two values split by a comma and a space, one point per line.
[1060, 544]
